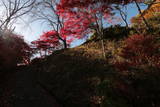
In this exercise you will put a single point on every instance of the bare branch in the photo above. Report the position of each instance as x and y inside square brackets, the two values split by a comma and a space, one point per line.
[13, 10]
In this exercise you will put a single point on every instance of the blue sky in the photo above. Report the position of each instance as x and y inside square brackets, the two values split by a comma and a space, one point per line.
[34, 30]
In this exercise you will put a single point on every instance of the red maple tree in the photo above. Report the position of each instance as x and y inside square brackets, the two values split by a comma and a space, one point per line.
[79, 18]
[47, 43]
[82, 14]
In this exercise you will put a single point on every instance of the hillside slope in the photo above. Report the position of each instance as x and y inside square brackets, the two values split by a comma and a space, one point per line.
[81, 77]
[73, 74]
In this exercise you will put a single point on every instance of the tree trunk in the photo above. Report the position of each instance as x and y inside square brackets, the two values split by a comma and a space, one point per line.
[143, 18]
[103, 49]
[65, 44]
[63, 41]
[102, 43]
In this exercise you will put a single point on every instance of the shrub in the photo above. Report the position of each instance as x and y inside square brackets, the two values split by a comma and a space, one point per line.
[140, 53]
[116, 32]
[13, 51]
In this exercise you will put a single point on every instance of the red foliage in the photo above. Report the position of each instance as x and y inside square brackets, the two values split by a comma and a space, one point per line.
[47, 40]
[75, 26]
[80, 16]
[141, 52]
[47, 43]
[83, 3]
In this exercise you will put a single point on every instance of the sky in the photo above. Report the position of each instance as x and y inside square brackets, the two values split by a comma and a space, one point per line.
[32, 31]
